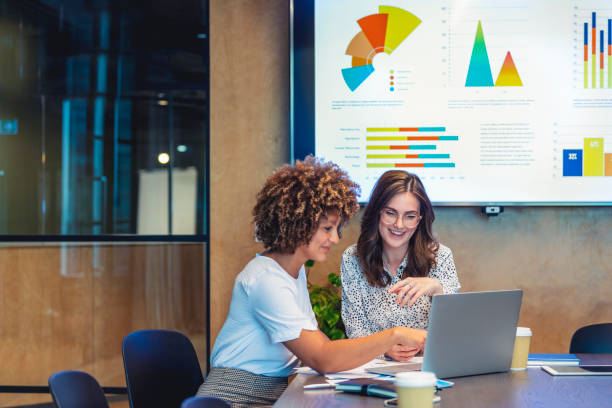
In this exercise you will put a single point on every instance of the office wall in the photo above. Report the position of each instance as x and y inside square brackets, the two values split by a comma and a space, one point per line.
[69, 306]
[560, 257]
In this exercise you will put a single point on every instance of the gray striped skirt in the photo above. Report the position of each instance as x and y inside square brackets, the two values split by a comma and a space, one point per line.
[242, 388]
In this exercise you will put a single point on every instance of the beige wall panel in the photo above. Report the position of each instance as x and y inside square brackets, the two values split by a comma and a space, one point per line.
[248, 131]
[69, 307]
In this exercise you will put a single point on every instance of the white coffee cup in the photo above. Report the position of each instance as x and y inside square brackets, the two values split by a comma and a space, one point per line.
[521, 348]
[415, 389]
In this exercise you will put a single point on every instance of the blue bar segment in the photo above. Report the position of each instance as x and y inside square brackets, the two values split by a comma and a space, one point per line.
[448, 137]
[422, 147]
[432, 129]
[586, 33]
[572, 162]
[433, 156]
[609, 31]
[601, 41]
[594, 26]
[438, 164]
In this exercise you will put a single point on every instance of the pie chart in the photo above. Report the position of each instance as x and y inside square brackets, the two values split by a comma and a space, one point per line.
[382, 32]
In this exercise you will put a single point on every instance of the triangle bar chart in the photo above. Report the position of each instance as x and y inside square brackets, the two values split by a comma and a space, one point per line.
[479, 72]
[382, 32]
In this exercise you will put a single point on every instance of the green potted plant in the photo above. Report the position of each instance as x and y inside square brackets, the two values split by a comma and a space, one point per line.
[326, 304]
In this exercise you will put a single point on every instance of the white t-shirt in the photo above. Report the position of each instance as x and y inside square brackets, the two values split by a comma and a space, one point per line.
[268, 307]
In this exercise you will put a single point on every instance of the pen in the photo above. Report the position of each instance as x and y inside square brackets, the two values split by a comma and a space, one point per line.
[319, 386]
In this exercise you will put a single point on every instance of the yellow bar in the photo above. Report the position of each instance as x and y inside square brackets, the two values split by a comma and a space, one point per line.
[380, 165]
[593, 156]
[382, 129]
[608, 165]
[386, 138]
[593, 70]
[378, 147]
[386, 156]
[586, 74]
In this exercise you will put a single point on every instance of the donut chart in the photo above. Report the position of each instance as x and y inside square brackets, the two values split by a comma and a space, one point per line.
[382, 32]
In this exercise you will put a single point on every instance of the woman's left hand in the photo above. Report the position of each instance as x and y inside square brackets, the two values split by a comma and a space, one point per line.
[409, 290]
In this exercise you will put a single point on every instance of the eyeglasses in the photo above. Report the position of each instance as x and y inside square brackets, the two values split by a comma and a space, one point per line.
[389, 216]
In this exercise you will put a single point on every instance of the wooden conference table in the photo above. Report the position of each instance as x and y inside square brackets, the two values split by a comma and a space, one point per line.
[529, 388]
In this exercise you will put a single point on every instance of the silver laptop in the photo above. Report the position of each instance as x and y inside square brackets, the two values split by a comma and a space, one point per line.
[469, 333]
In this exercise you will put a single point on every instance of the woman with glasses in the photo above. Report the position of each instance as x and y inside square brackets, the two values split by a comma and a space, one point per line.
[271, 325]
[390, 275]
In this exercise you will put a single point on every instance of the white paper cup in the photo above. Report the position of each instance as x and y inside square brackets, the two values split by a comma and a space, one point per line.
[521, 348]
[415, 389]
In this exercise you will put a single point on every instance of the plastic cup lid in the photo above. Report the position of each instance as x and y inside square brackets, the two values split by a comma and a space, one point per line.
[415, 379]
[523, 331]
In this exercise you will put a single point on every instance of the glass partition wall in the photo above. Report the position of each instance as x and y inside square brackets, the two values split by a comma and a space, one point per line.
[104, 117]
[103, 138]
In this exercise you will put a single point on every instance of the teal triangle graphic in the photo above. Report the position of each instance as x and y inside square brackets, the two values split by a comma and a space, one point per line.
[479, 72]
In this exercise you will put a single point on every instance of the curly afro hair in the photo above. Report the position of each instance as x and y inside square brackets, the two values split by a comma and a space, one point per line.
[293, 199]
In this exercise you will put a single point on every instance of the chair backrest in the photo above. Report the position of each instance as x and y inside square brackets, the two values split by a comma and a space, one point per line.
[76, 389]
[204, 402]
[161, 368]
[593, 339]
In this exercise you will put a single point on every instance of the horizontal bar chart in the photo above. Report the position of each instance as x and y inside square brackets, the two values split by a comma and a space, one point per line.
[408, 156]
[410, 165]
[382, 152]
[407, 129]
[401, 147]
[409, 138]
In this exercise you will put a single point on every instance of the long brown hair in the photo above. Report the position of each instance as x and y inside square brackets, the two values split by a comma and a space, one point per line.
[422, 247]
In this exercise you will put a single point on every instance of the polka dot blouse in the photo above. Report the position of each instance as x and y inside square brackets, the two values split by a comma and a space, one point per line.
[369, 309]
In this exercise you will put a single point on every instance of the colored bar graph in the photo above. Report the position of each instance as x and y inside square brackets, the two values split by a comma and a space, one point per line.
[395, 138]
[597, 63]
[593, 156]
[447, 165]
[608, 164]
[572, 163]
[408, 156]
[402, 147]
[407, 129]
[601, 58]
[586, 55]
[593, 50]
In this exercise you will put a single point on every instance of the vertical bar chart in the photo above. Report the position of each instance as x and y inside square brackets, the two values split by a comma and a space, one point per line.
[589, 161]
[598, 65]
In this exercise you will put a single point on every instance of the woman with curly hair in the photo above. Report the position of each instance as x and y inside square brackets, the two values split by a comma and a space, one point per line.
[271, 325]
[390, 275]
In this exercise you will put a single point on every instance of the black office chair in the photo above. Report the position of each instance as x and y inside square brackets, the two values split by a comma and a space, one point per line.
[76, 389]
[161, 368]
[204, 402]
[593, 339]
